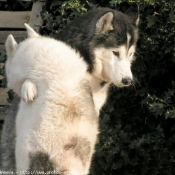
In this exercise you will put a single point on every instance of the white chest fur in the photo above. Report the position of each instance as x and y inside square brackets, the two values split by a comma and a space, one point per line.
[99, 92]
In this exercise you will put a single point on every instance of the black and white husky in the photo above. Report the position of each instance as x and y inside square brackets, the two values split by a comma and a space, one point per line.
[106, 39]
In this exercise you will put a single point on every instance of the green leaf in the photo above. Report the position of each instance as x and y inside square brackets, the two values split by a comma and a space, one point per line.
[172, 15]
[152, 20]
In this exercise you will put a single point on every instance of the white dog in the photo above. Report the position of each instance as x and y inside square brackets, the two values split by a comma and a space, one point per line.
[57, 131]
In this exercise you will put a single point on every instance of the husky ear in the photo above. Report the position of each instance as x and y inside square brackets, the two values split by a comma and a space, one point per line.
[10, 46]
[104, 24]
[133, 14]
[31, 33]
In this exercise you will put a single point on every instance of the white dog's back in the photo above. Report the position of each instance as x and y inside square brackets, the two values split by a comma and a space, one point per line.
[45, 60]
[61, 125]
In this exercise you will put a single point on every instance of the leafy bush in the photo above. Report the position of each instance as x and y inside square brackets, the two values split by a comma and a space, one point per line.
[138, 123]
[15, 5]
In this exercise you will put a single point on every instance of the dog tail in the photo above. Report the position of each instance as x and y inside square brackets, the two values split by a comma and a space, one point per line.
[31, 32]
[11, 46]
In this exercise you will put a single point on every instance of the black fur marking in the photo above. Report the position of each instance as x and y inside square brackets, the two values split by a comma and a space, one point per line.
[80, 147]
[132, 40]
[41, 162]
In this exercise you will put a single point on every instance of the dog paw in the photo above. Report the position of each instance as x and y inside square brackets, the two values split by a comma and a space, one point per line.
[28, 91]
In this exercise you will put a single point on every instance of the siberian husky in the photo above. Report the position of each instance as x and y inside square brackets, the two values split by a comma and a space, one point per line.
[106, 39]
[57, 131]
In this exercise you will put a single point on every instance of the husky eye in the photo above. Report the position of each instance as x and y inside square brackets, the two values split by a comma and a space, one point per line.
[116, 53]
[110, 31]
[131, 54]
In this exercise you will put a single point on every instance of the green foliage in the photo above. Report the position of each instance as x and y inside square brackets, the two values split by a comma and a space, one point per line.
[137, 125]
[15, 5]
[59, 13]
[162, 107]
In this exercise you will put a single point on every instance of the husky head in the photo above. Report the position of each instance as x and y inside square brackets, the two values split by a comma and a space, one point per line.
[11, 47]
[114, 47]
[106, 39]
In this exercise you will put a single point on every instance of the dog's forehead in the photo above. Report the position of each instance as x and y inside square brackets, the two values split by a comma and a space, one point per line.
[125, 32]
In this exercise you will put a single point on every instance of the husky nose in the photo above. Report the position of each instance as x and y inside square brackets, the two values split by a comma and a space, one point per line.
[126, 81]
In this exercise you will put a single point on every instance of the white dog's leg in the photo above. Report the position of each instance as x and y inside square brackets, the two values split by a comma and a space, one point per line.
[28, 91]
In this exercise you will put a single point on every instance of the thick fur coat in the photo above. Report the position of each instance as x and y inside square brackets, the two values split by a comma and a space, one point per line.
[56, 120]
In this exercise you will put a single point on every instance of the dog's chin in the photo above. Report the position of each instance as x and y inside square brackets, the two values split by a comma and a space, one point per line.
[120, 85]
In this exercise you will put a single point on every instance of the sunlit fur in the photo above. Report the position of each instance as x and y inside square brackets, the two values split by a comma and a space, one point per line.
[61, 122]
